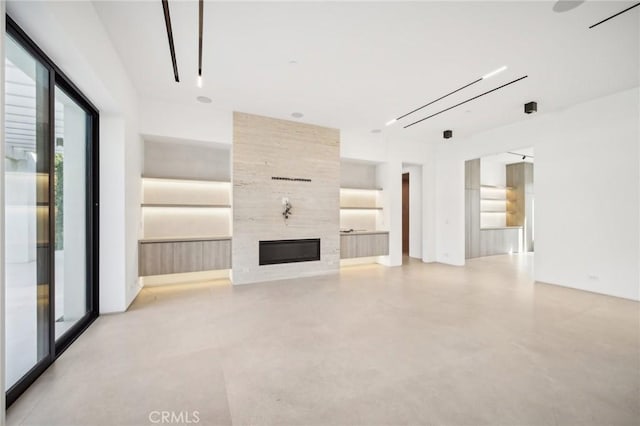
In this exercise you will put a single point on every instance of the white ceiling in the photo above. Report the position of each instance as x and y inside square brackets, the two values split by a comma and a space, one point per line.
[361, 64]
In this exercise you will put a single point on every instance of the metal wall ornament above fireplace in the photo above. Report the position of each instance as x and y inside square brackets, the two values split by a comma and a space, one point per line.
[289, 251]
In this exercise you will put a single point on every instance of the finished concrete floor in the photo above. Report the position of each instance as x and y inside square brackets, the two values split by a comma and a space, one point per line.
[417, 344]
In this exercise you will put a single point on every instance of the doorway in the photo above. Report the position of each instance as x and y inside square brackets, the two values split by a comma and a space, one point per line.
[405, 213]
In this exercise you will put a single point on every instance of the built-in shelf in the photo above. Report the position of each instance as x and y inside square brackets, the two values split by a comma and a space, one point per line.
[362, 189]
[182, 214]
[495, 187]
[184, 239]
[362, 232]
[209, 206]
[183, 180]
[493, 228]
[360, 208]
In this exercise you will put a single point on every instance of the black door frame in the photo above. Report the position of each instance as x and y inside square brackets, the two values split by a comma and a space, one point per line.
[59, 79]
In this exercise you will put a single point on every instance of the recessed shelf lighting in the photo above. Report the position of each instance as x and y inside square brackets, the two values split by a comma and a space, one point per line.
[297, 114]
[204, 99]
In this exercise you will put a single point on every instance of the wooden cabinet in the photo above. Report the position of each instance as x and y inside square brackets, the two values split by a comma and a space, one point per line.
[159, 257]
[155, 258]
[500, 241]
[364, 244]
[216, 255]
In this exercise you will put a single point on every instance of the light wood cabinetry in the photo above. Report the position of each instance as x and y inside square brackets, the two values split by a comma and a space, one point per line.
[500, 241]
[520, 178]
[364, 244]
[472, 208]
[159, 257]
[216, 254]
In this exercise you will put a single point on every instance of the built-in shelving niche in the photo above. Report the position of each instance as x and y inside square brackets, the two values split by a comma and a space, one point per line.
[186, 214]
[361, 213]
[496, 203]
[184, 208]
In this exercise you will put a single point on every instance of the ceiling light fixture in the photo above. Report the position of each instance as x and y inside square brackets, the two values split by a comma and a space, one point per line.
[390, 122]
[484, 77]
[204, 99]
[297, 114]
[376, 131]
[494, 72]
[172, 49]
[200, 25]
[530, 107]
[524, 156]
[613, 16]
[199, 81]
[468, 100]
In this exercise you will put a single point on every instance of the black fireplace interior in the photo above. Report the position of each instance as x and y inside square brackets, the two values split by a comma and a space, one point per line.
[289, 251]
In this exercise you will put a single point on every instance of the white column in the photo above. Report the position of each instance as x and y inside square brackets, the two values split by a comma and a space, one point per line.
[112, 214]
[429, 209]
[389, 177]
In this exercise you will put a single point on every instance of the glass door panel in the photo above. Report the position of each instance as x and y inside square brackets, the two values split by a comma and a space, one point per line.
[70, 195]
[27, 223]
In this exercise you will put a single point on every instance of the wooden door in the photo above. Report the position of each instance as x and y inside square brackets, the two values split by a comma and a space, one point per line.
[405, 213]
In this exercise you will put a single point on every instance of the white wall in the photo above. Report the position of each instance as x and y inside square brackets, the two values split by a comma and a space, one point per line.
[198, 122]
[72, 35]
[587, 193]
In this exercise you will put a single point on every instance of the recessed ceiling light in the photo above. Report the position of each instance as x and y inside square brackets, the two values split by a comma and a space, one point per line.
[376, 131]
[494, 72]
[293, 62]
[566, 5]
[204, 99]
[390, 122]
[297, 114]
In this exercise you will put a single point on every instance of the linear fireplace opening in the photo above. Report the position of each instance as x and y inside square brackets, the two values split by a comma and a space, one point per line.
[289, 251]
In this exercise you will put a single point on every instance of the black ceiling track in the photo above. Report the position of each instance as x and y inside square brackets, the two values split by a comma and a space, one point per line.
[201, 12]
[613, 16]
[468, 100]
[172, 49]
[440, 98]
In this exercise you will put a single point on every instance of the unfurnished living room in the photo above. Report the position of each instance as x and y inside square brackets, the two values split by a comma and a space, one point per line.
[320, 213]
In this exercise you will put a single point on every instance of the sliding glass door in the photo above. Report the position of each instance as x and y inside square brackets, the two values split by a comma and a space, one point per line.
[27, 227]
[70, 191]
[50, 212]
